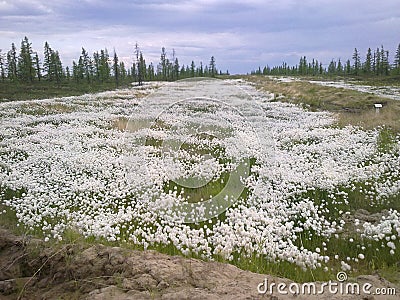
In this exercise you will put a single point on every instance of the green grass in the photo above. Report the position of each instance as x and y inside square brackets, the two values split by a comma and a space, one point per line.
[350, 106]
[10, 91]
[375, 260]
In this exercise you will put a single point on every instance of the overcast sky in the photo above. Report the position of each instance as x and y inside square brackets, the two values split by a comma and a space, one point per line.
[240, 34]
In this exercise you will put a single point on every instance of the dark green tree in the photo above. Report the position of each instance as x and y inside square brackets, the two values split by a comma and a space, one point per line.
[86, 64]
[67, 73]
[47, 66]
[104, 67]
[368, 62]
[356, 62]
[176, 68]
[2, 67]
[38, 69]
[192, 69]
[140, 65]
[12, 63]
[385, 61]
[116, 68]
[348, 67]
[213, 67]
[25, 68]
[57, 66]
[163, 64]
[339, 70]
[397, 60]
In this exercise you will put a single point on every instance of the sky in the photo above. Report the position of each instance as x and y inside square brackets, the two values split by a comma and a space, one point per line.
[241, 35]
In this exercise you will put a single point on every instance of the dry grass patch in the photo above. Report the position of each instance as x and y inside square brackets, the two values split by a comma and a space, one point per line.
[352, 107]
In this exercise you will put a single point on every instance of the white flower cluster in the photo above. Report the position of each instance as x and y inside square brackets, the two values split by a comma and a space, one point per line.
[70, 166]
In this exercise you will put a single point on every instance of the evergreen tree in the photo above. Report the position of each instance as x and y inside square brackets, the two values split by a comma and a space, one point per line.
[201, 69]
[348, 67]
[142, 68]
[150, 72]
[368, 62]
[67, 73]
[163, 64]
[122, 71]
[52, 65]
[47, 67]
[96, 65]
[86, 64]
[77, 72]
[57, 66]
[357, 62]
[339, 68]
[104, 67]
[12, 63]
[384, 61]
[378, 62]
[397, 60]
[116, 68]
[332, 68]
[36, 63]
[25, 66]
[192, 69]
[212, 68]
[176, 68]
[2, 67]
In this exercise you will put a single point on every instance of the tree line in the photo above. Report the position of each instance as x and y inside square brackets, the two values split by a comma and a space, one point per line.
[376, 63]
[100, 67]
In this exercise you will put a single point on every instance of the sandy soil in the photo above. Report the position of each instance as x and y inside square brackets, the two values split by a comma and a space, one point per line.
[32, 269]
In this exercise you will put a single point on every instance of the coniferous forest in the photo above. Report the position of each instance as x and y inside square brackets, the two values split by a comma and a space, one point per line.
[24, 74]
[22, 71]
[374, 63]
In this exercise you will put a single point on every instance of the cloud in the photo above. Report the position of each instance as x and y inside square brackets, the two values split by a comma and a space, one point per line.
[240, 34]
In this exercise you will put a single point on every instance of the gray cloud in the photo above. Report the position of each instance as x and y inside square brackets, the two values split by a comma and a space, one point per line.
[241, 35]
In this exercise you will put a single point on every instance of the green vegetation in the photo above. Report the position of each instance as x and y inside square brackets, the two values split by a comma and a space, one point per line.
[23, 76]
[352, 107]
[376, 64]
[44, 89]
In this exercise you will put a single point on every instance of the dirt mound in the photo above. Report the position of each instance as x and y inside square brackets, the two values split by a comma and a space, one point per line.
[31, 269]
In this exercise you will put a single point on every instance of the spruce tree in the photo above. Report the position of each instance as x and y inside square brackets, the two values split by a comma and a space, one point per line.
[116, 68]
[57, 66]
[12, 63]
[38, 69]
[339, 68]
[384, 61]
[163, 64]
[378, 62]
[47, 66]
[140, 68]
[368, 62]
[25, 66]
[87, 64]
[104, 68]
[348, 67]
[357, 62]
[2, 67]
[192, 69]
[212, 68]
[397, 60]
[176, 68]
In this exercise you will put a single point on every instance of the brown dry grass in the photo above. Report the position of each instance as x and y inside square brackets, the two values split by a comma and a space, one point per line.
[352, 107]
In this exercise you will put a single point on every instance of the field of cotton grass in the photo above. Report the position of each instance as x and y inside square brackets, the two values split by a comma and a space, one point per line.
[205, 168]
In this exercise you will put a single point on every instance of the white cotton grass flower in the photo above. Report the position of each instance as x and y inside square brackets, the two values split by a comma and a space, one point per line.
[76, 168]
